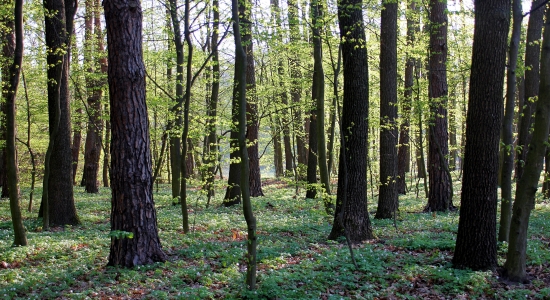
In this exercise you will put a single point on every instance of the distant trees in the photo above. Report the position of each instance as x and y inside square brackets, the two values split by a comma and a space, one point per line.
[134, 239]
[476, 240]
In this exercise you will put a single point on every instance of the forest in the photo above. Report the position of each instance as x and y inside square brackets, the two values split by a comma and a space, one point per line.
[293, 149]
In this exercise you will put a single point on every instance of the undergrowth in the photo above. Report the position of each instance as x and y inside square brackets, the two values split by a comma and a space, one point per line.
[295, 260]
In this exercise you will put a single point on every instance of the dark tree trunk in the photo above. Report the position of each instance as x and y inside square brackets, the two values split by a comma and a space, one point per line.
[439, 192]
[277, 148]
[239, 97]
[13, 50]
[252, 130]
[507, 126]
[546, 183]
[107, 152]
[515, 265]
[133, 209]
[8, 48]
[531, 82]
[58, 182]
[351, 217]
[403, 155]
[476, 240]
[312, 157]
[388, 196]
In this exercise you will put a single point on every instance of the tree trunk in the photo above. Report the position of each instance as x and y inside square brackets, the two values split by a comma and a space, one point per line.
[77, 141]
[527, 185]
[439, 192]
[388, 196]
[58, 200]
[312, 157]
[507, 126]
[133, 208]
[531, 82]
[476, 240]
[13, 44]
[351, 217]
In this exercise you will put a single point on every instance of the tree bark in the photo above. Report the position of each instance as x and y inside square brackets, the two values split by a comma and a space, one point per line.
[476, 246]
[531, 82]
[133, 208]
[351, 217]
[57, 197]
[14, 45]
[439, 192]
[528, 183]
[507, 126]
[388, 196]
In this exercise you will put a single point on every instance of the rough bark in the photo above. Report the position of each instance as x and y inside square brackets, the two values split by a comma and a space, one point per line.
[507, 126]
[388, 196]
[439, 192]
[531, 83]
[58, 198]
[476, 240]
[528, 183]
[132, 208]
[351, 217]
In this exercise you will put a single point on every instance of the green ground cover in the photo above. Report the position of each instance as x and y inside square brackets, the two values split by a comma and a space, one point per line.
[409, 259]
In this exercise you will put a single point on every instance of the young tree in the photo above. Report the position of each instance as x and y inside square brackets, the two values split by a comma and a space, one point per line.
[57, 197]
[403, 155]
[351, 217]
[133, 212]
[439, 197]
[528, 183]
[388, 196]
[531, 83]
[239, 96]
[13, 44]
[476, 240]
[507, 124]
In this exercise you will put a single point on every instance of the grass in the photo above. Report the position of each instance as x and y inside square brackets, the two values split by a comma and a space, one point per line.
[409, 261]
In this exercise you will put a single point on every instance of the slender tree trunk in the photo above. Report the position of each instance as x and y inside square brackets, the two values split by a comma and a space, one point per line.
[440, 195]
[507, 123]
[476, 246]
[133, 209]
[13, 44]
[77, 141]
[388, 196]
[528, 183]
[531, 81]
[351, 217]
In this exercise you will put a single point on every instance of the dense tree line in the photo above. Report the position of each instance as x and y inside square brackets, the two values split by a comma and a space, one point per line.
[374, 95]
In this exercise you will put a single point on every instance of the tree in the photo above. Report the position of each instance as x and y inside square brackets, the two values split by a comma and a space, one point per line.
[14, 45]
[388, 196]
[94, 130]
[57, 197]
[403, 154]
[528, 183]
[133, 212]
[531, 83]
[440, 189]
[351, 217]
[239, 96]
[476, 240]
[507, 124]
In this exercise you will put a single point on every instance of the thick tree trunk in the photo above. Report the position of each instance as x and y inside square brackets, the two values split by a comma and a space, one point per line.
[58, 192]
[507, 126]
[388, 196]
[531, 82]
[351, 217]
[133, 209]
[528, 183]
[439, 192]
[476, 246]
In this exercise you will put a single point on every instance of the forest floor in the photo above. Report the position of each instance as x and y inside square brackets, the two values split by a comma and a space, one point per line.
[409, 259]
